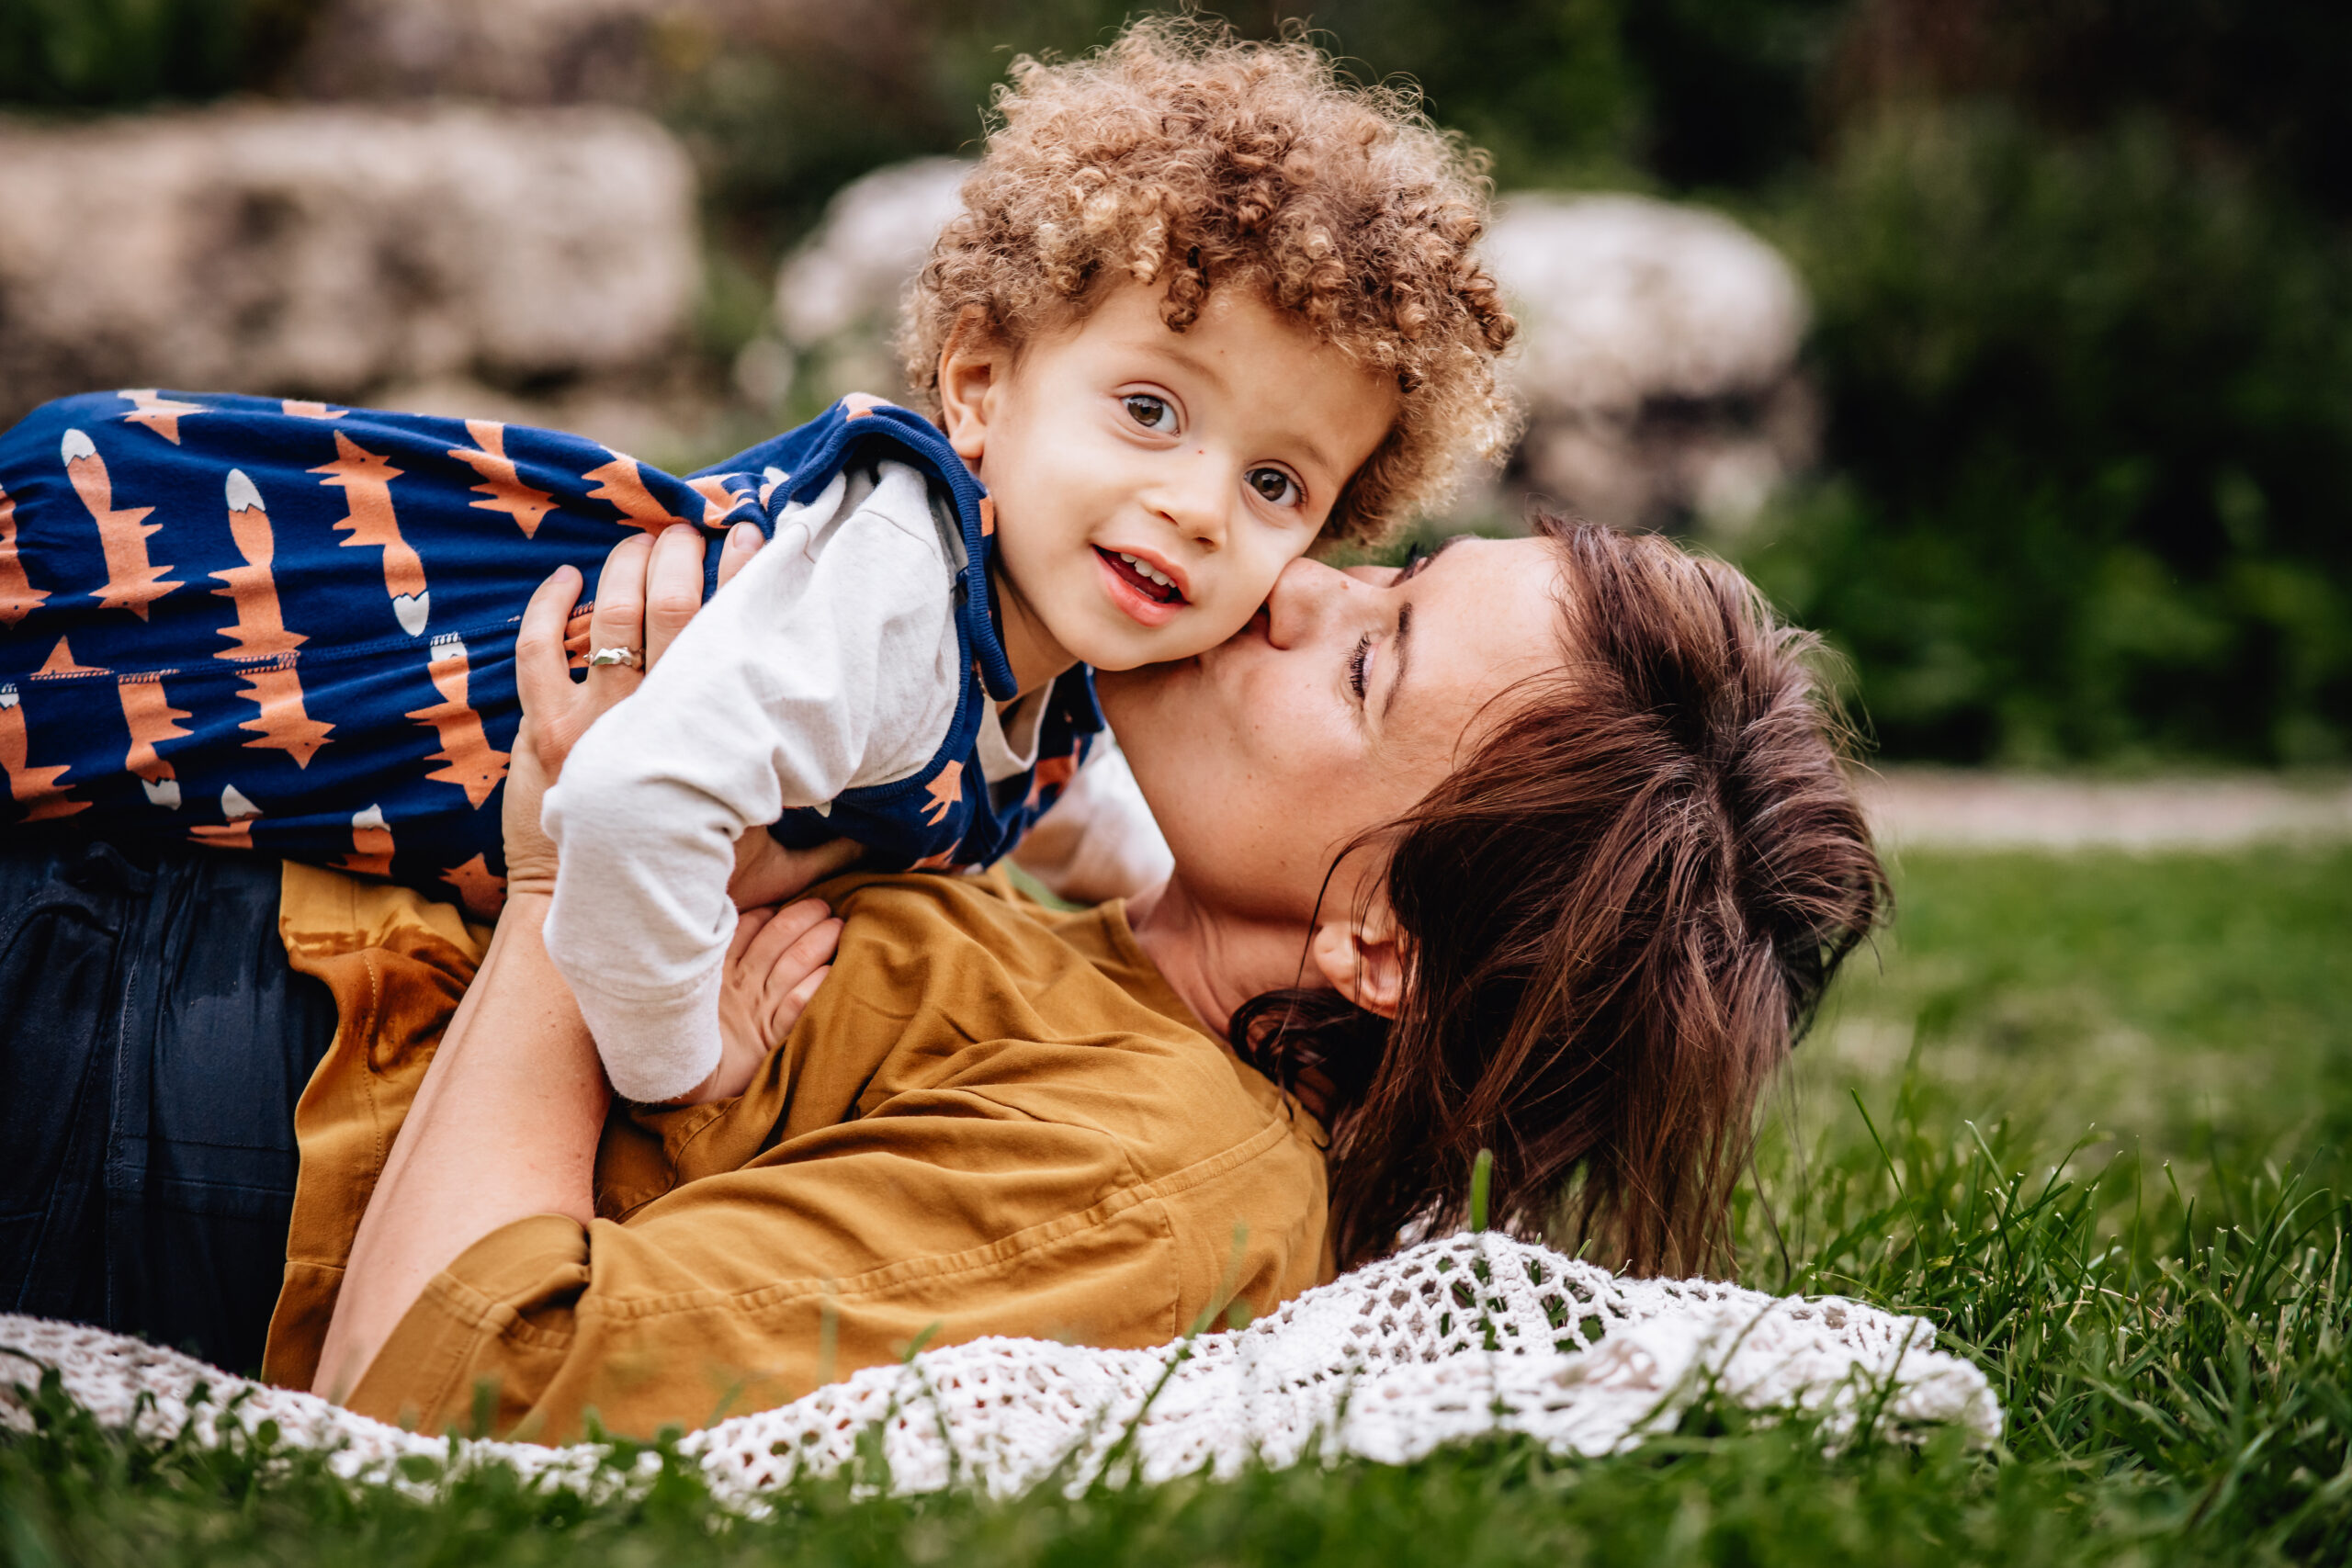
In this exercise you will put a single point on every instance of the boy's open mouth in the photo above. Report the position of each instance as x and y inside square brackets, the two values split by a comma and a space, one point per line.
[1144, 578]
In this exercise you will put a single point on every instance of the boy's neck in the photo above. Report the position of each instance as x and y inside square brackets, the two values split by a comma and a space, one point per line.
[1033, 653]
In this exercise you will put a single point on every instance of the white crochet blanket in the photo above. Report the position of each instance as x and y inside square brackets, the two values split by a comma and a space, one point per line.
[1464, 1338]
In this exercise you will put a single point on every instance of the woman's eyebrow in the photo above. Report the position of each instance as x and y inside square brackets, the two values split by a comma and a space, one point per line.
[1401, 641]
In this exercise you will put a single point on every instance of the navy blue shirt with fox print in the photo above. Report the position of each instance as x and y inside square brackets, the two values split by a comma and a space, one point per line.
[290, 626]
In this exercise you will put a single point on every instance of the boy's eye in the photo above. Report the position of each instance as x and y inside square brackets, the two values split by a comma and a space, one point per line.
[1152, 413]
[1275, 486]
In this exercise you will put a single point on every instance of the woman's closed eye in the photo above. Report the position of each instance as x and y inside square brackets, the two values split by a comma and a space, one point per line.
[1359, 657]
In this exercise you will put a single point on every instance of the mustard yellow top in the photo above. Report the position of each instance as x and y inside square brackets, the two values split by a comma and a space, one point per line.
[994, 1118]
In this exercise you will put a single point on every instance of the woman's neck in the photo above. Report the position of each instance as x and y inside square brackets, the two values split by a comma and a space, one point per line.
[1214, 961]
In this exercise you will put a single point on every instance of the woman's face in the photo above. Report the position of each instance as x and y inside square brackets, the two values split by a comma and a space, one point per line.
[1347, 699]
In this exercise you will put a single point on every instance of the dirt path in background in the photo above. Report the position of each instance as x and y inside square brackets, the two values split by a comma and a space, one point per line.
[1952, 809]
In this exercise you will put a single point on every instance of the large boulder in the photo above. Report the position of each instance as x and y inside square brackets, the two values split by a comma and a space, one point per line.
[838, 294]
[325, 251]
[1657, 358]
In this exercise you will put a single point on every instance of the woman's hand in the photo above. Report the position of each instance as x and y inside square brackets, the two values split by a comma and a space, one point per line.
[778, 959]
[649, 589]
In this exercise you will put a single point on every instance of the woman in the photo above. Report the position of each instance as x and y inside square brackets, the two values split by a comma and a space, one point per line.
[1540, 845]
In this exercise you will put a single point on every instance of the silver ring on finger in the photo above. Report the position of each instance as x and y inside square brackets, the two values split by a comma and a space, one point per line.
[627, 658]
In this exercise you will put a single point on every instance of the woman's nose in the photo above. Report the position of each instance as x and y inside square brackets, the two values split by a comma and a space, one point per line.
[1307, 597]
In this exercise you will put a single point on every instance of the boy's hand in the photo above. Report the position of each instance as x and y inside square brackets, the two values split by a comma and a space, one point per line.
[767, 872]
[778, 959]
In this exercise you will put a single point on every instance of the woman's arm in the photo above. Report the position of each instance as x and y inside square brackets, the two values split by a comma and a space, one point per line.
[504, 1126]
[506, 1122]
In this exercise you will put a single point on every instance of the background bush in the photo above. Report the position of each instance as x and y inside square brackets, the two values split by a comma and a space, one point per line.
[2081, 267]
[2089, 453]
[69, 54]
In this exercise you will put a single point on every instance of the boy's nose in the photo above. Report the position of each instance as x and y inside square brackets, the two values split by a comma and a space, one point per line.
[1197, 501]
[1307, 597]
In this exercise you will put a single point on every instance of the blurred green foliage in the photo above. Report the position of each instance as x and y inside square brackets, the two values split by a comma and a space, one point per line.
[1570, 92]
[2083, 307]
[2084, 330]
[82, 54]
[2089, 459]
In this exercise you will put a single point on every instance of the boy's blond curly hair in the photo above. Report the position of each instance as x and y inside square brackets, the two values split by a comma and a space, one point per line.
[1181, 155]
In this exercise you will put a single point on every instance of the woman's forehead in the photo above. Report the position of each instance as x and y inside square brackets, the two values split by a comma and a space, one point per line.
[1470, 568]
[1486, 614]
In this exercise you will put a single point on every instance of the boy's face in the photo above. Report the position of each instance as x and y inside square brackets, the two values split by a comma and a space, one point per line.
[1149, 486]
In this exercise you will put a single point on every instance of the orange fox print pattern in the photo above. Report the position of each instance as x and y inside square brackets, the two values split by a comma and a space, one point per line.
[287, 627]
[132, 581]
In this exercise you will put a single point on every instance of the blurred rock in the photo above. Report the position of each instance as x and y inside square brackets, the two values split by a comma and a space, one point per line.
[1657, 358]
[510, 52]
[322, 252]
[837, 295]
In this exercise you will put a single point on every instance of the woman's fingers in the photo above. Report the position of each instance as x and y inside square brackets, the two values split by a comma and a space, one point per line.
[797, 1001]
[645, 599]
[542, 675]
[619, 621]
[673, 587]
[795, 943]
[743, 542]
[551, 721]
[651, 586]
[811, 951]
[777, 962]
[781, 929]
[748, 925]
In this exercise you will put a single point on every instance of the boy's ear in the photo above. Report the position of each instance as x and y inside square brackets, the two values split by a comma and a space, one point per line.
[973, 365]
[1364, 957]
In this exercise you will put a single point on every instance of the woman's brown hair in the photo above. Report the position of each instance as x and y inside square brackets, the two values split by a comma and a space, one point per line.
[1620, 913]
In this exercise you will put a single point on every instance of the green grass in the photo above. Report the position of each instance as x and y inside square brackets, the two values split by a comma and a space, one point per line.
[2081, 1111]
[2199, 1003]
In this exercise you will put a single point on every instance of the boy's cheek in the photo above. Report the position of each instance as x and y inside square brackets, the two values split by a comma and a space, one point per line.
[1246, 579]
[1224, 609]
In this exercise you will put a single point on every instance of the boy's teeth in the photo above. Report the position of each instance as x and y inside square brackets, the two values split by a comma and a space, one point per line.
[1145, 567]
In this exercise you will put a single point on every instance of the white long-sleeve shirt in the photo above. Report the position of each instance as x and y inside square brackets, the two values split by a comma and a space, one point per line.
[830, 662]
